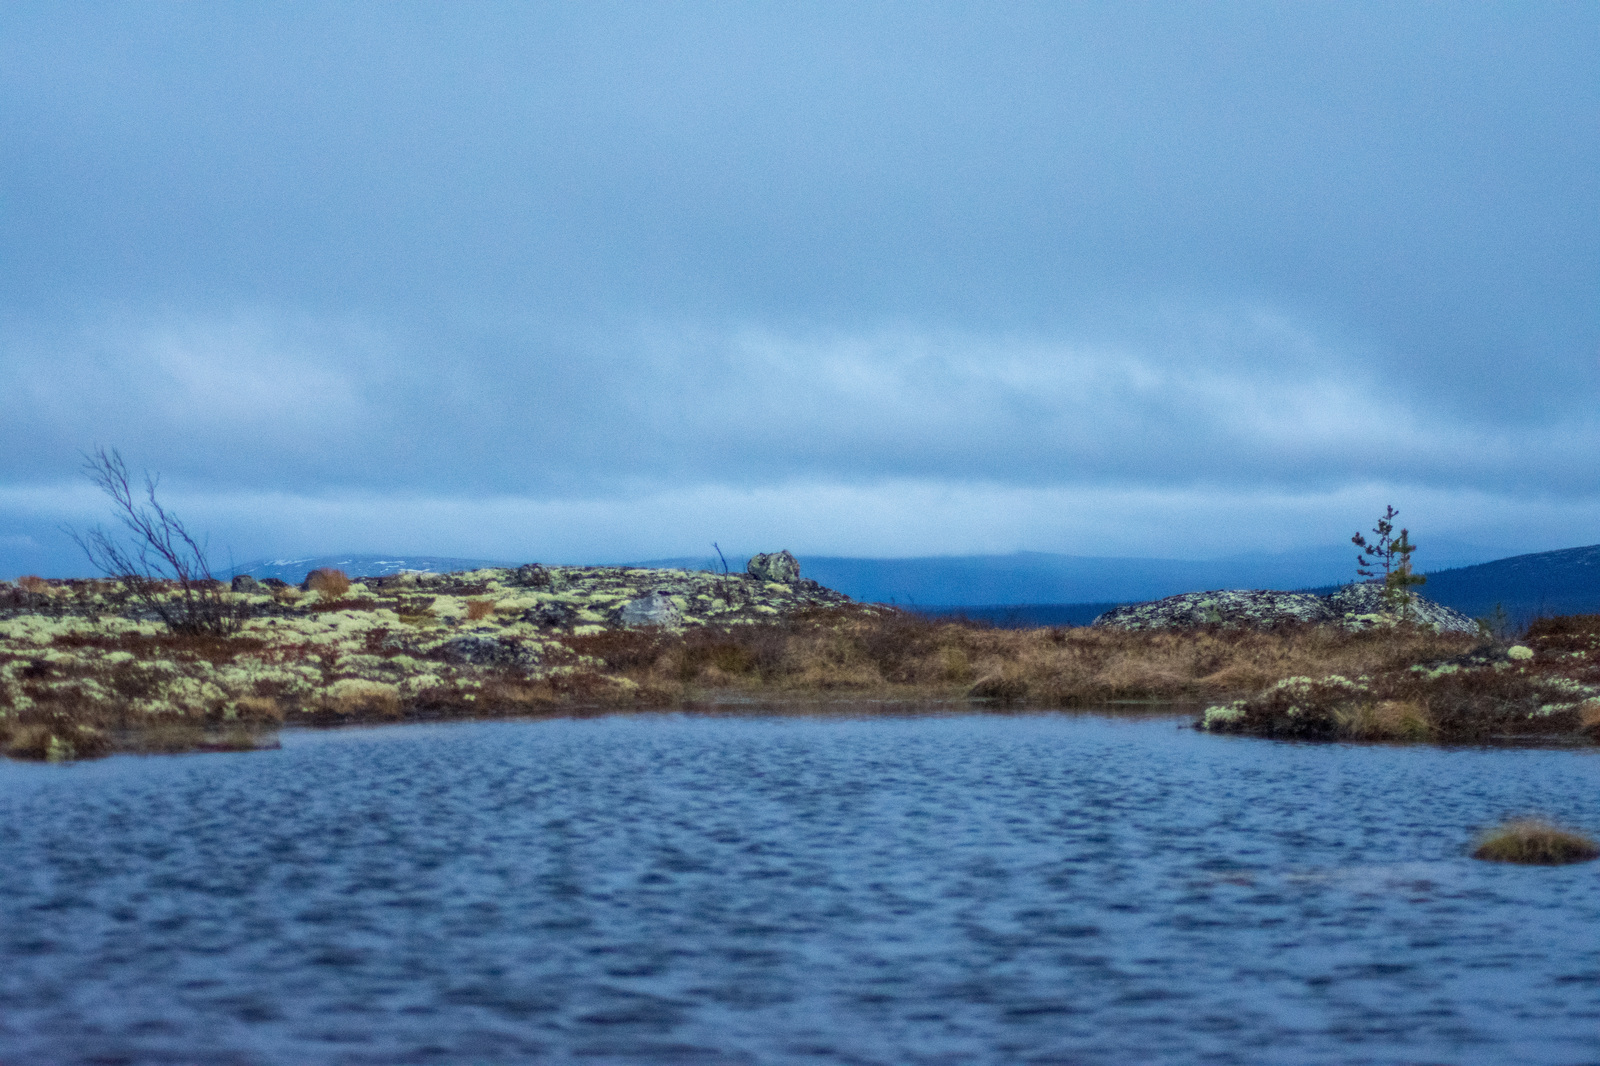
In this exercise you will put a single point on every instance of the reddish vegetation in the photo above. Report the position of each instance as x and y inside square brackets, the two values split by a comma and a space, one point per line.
[331, 583]
[1547, 685]
[900, 654]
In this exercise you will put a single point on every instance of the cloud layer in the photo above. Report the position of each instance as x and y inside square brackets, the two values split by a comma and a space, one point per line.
[898, 281]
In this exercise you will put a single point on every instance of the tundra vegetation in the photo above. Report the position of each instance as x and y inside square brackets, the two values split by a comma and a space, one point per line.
[1535, 842]
[160, 656]
[86, 669]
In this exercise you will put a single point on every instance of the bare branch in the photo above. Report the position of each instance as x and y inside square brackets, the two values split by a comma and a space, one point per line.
[165, 569]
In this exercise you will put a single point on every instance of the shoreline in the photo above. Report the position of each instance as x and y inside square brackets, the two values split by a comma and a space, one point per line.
[83, 672]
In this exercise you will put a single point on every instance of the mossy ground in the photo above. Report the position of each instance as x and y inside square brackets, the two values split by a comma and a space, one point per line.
[82, 675]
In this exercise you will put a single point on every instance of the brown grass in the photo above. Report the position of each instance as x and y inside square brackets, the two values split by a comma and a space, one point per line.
[166, 645]
[52, 741]
[893, 653]
[33, 583]
[478, 610]
[330, 583]
[1388, 720]
[1534, 842]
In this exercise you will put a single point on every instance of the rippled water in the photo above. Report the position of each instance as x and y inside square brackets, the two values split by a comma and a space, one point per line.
[1040, 888]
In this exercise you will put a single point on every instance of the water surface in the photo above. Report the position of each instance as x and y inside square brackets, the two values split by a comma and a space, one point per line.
[653, 888]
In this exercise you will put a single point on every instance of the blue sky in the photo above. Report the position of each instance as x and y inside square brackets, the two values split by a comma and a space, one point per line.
[605, 281]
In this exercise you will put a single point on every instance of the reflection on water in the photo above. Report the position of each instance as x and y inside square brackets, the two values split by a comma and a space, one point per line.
[763, 889]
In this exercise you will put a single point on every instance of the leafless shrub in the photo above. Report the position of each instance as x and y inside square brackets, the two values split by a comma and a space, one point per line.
[162, 566]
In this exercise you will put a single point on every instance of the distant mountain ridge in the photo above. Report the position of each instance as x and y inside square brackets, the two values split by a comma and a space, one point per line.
[1566, 581]
[1524, 587]
[295, 570]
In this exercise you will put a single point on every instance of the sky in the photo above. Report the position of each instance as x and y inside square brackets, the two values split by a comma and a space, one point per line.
[601, 281]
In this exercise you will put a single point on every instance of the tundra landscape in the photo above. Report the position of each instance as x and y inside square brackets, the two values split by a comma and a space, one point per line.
[638, 533]
[85, 670]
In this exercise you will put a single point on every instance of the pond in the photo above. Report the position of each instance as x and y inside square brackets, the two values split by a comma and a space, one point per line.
[939, 888]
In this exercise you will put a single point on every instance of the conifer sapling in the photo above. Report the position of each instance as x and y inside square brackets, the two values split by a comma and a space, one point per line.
[1388, 558]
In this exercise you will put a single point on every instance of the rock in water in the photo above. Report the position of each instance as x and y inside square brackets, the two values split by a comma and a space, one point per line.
[781, 567]
[656, 609]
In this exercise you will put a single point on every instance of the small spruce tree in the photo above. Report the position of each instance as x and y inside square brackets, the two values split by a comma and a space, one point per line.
[1387, 558]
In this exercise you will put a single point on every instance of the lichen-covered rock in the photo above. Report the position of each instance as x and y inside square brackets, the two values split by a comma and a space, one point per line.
[656, 609]
[781, 567]
[1363, 604]
[1360, 606]
[554, 615]
[531, 575]
[1230, 607]
[477, 650]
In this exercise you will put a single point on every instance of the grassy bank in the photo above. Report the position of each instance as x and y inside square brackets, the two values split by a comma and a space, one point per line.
[83, 674]
[1547, 685]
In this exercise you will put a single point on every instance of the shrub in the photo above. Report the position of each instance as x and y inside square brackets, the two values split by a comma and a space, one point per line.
[328, 582]
[164, 567]
[31, 583]
[477, 610]
[1534, 842]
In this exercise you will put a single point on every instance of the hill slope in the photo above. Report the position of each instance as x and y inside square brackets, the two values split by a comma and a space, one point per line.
[1542, 583]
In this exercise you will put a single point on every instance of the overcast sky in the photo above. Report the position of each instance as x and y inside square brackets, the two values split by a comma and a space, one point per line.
[598, 281]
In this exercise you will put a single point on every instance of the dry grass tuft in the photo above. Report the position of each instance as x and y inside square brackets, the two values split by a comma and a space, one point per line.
[33, 583]
[478, 610]
[351, 697]
[1535, 842]
[330, 583]
[54, 742]
[1388, 720]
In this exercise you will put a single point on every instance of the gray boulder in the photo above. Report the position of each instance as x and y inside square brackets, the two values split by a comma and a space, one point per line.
[781, 567]
[245, 583]
[554, 615]
[656, 609]
[531, 575]
[473, 650]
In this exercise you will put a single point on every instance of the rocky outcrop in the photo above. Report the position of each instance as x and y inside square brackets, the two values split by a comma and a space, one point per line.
[656, 609]
[780, 567]
[480, 650]
[530, 575]
[1360, 606]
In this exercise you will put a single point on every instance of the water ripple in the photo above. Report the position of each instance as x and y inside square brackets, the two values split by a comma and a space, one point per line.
[959, 889]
